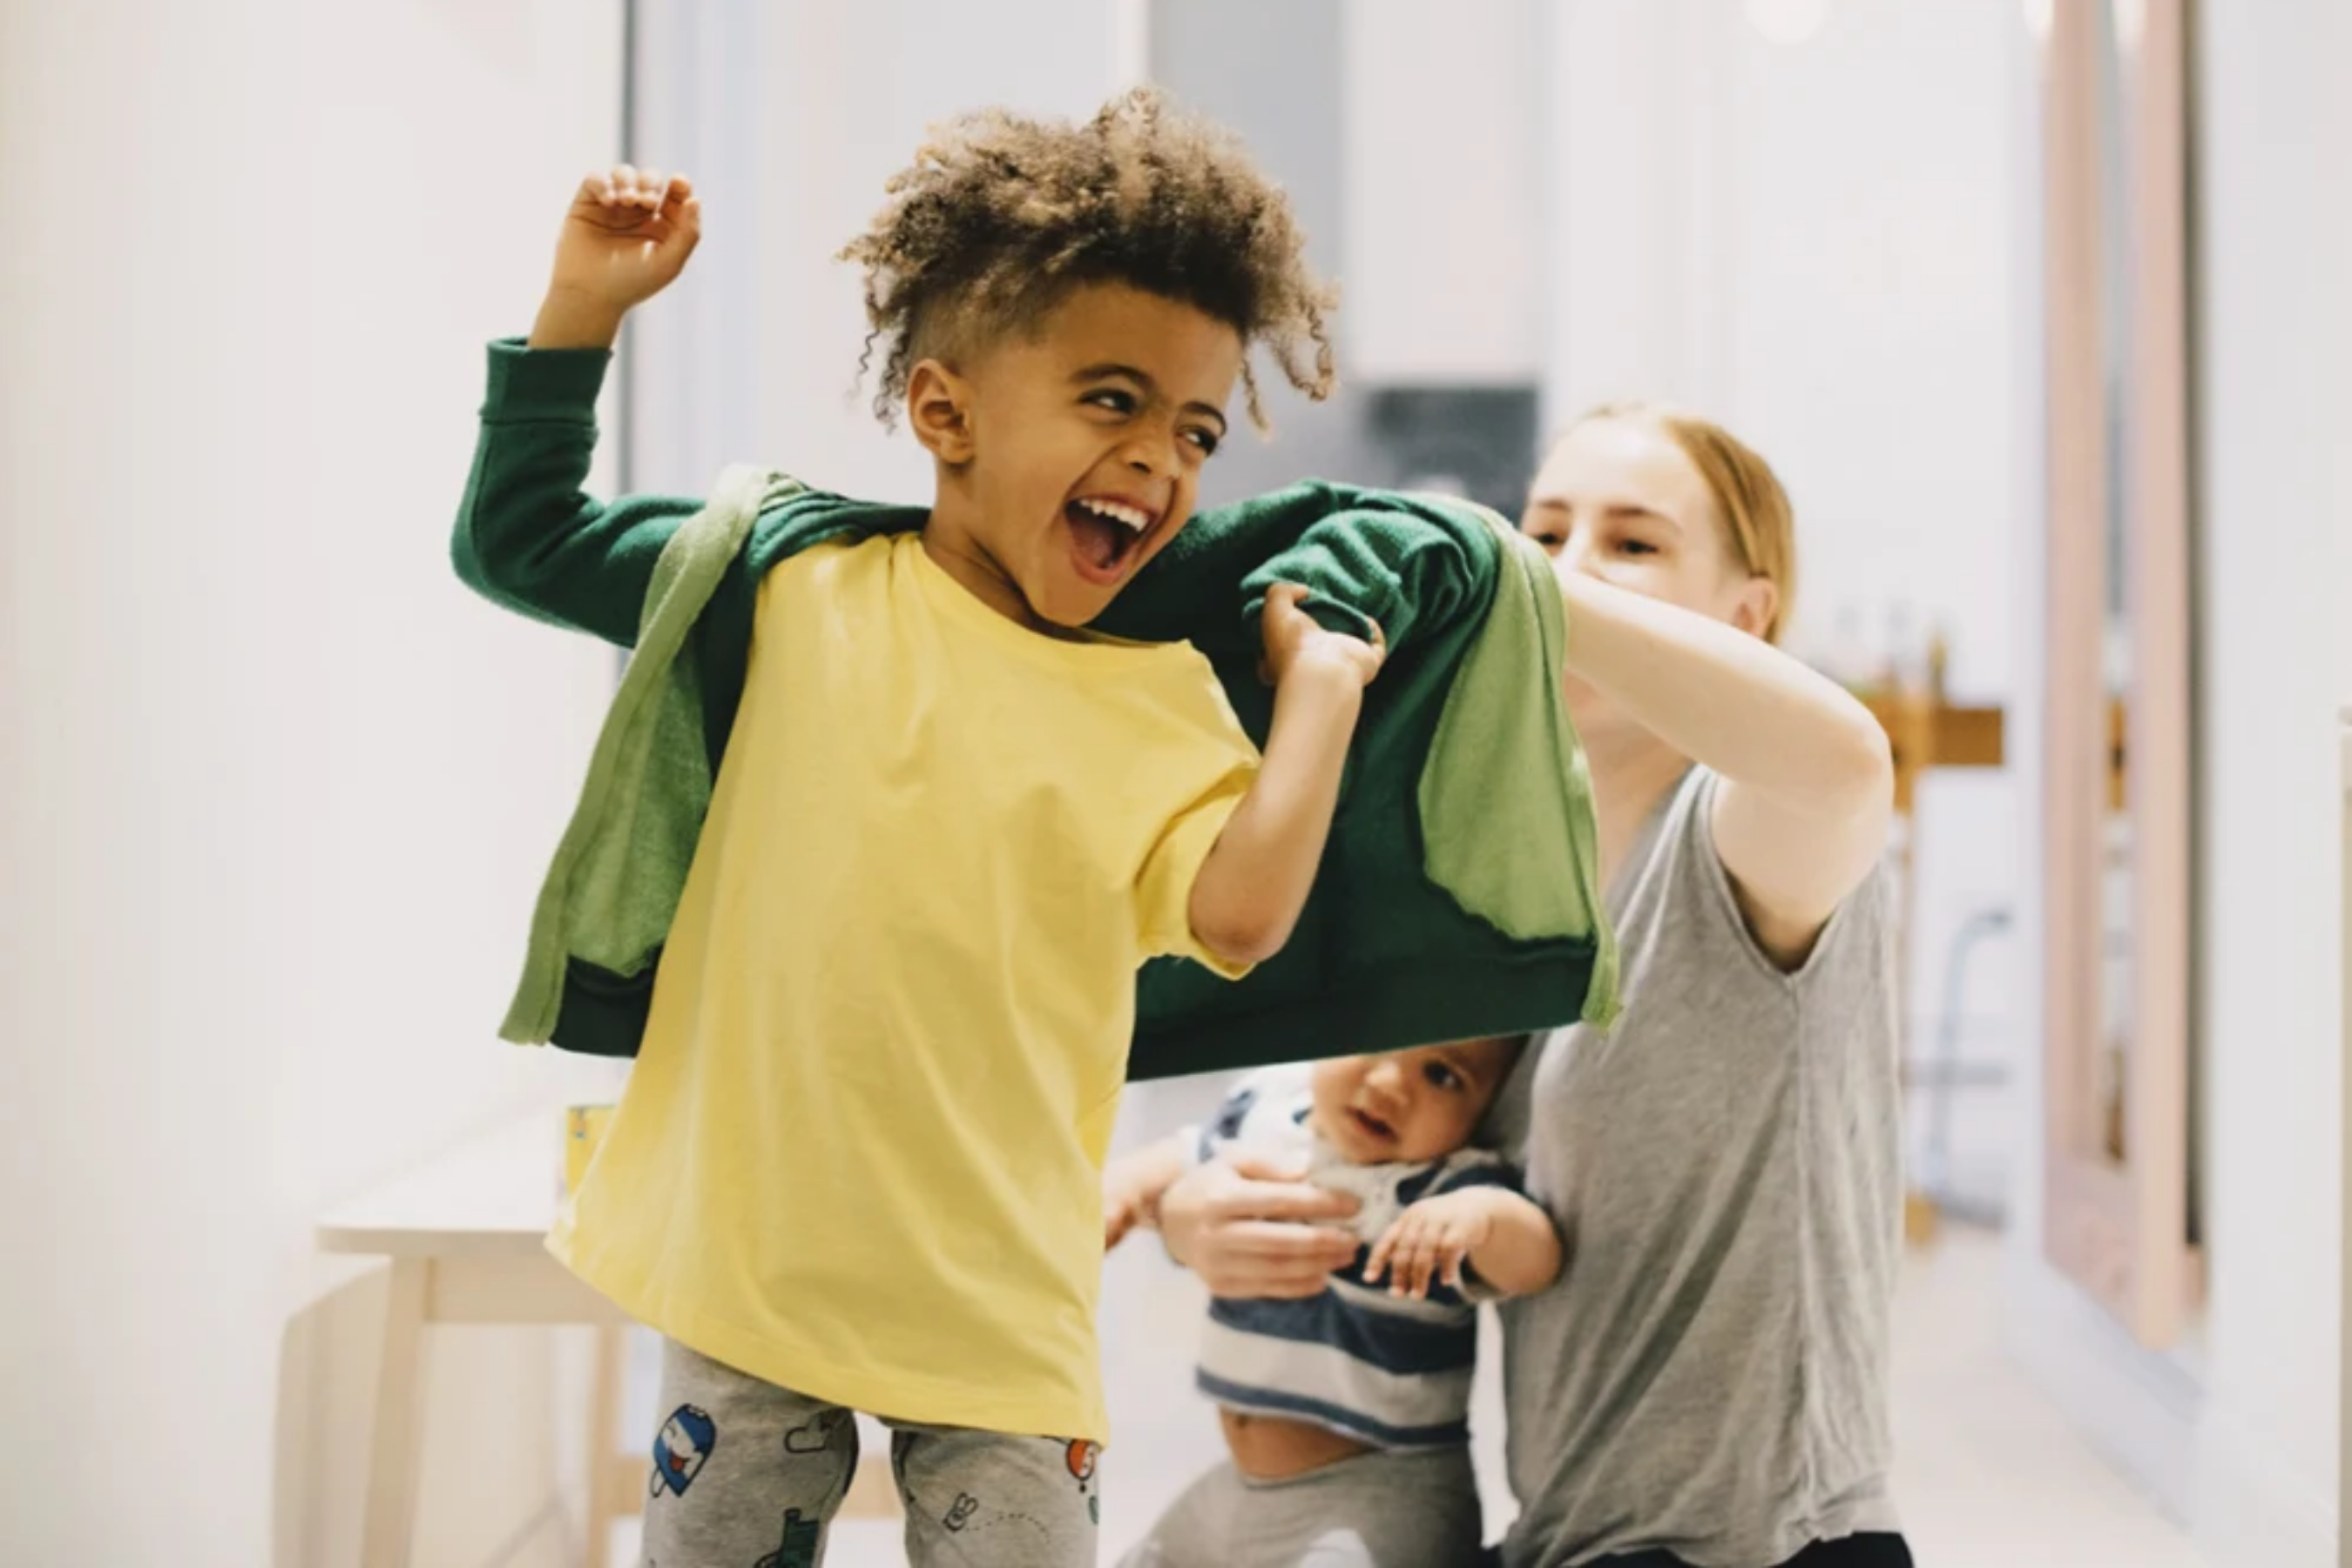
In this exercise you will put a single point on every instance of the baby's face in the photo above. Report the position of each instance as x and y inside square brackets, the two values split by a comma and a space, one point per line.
[1408, 1107]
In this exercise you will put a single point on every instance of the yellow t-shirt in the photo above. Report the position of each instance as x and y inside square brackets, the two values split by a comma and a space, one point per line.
[860, 1153]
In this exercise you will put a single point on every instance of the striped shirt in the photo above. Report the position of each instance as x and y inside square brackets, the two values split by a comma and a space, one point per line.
[1391, 1371]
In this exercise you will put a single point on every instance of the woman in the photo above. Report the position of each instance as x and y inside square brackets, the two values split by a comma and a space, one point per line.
[1706, 1386]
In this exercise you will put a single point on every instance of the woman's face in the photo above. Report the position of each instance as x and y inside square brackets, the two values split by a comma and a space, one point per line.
[1619, 500]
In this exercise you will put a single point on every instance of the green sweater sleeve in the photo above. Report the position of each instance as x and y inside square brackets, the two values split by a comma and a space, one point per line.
[528, 535]
[1363, 556]
[1370, 556]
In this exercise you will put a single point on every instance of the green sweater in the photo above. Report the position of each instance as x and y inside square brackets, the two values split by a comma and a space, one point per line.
[1458, 896]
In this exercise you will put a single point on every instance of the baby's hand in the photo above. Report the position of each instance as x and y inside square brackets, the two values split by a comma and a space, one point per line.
[1123, 1210]
[1433, 1239]
[625, 238]
[1294, 641]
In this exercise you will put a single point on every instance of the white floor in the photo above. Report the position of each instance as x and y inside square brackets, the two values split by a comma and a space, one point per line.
[1988, 1476]
[1987, 1473]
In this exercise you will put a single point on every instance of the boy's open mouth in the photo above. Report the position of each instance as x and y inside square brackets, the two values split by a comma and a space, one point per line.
[1106, 535]
[1372, 1126]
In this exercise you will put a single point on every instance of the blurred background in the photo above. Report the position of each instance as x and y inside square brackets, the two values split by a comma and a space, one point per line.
[276, 793]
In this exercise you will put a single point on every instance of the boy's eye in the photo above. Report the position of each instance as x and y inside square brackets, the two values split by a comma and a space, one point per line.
[1203, 438]
[1637, 547]
[1440, 1076]
[1112, 398]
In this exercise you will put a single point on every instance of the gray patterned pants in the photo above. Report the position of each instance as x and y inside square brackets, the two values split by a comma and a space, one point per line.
[747, 1474]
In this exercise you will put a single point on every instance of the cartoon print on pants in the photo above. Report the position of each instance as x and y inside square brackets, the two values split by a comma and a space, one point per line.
[681, 1450]
[960, 1511]
[1081, 1456]
[817, 1436]
[799, 1549]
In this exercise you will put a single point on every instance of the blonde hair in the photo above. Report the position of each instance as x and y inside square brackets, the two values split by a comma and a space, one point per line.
[1754, 508]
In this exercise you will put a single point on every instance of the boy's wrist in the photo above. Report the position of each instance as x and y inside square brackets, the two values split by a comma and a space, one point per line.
[1327, 681]
[568, 318]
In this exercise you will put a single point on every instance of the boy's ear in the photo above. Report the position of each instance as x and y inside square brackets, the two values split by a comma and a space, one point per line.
[939, 408]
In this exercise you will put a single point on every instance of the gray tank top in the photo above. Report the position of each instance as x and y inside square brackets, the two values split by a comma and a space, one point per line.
[1709, 1375]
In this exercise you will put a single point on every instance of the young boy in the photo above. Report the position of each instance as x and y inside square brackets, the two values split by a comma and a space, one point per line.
[1347, 1412]
[857, 1165]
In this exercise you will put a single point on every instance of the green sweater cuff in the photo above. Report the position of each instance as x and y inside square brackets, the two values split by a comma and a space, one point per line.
[527, 383]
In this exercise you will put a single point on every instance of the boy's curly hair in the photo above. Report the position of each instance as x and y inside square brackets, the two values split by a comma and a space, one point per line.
[1000, 217]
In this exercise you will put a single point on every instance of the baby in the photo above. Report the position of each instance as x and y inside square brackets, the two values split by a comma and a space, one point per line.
[1346, 1413]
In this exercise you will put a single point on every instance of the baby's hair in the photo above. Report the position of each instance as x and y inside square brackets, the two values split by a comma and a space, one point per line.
[1000, 216]
[1510, 1048]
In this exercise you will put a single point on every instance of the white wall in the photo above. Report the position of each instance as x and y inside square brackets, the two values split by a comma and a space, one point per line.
[1276, 76]
[847, 89]
[1808, 242]
[1631, 149]
[276, 791]
[2275, 494]
[1443, 204]
[1866, 260]
[1813, 243]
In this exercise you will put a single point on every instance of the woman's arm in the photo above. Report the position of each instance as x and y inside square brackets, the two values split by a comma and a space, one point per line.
[1807, 779]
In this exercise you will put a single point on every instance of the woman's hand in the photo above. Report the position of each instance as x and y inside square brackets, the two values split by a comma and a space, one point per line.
[1249, 1227]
